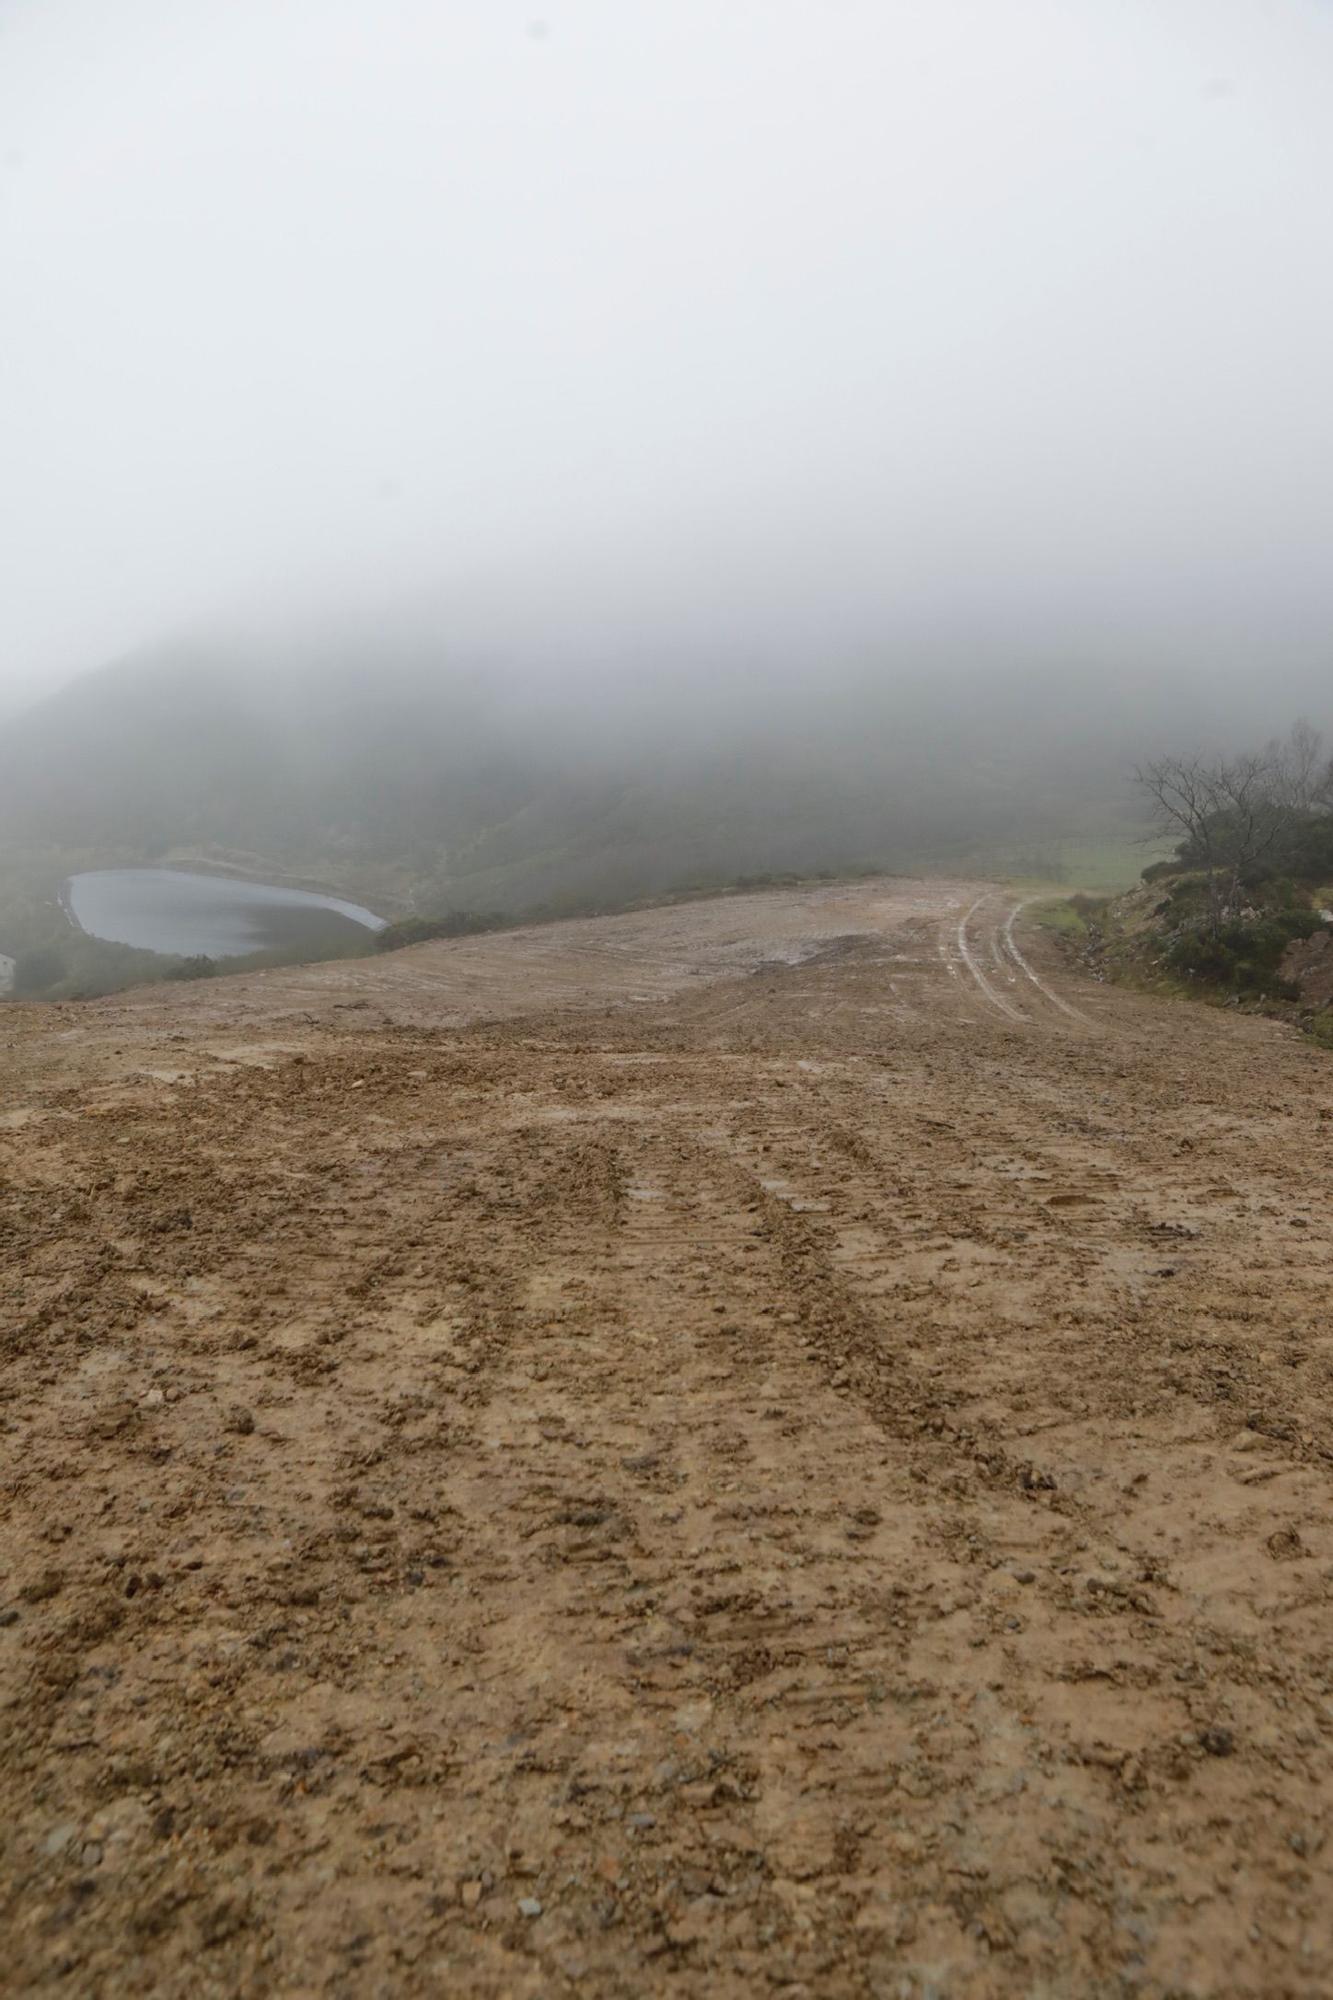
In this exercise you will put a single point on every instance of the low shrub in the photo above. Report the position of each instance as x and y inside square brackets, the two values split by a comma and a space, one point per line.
[1243, 956]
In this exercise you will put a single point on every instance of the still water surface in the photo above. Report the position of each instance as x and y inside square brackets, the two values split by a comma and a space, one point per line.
[162, 909]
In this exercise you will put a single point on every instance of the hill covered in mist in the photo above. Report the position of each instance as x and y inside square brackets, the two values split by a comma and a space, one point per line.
[437, 784]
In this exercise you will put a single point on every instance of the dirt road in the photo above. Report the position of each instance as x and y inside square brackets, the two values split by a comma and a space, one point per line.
[782, 1443]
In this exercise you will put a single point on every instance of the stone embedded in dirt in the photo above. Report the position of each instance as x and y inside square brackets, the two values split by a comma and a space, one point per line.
[1217, 1742]
[469, 1894]
[1034, 1480]
[239, 1420]
[528, 1906]
[153, 1400]
[1285, 1545]
[49, 1584]
[693, 1716]
[688, 1927]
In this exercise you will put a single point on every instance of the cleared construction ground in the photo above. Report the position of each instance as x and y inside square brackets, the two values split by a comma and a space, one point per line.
[776, 1443]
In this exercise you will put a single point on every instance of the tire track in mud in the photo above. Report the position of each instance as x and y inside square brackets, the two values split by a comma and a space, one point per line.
[982, 983]
[1016, 1517]
[771, 1631]
[742, 1618]
[662, 1590]
[943, 1518]
[1047, 992]
[1007, 959]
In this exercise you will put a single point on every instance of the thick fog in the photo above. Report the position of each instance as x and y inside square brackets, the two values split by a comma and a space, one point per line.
[808, 334]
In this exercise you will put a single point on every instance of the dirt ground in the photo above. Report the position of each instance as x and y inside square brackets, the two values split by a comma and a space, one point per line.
[774, 1444]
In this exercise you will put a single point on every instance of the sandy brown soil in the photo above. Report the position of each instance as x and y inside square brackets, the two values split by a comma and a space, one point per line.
[774, 1444]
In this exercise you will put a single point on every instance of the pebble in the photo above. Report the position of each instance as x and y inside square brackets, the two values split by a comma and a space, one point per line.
[154, 1400]
[528, 1906]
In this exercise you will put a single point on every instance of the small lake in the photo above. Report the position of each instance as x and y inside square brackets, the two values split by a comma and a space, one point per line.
[216, 916]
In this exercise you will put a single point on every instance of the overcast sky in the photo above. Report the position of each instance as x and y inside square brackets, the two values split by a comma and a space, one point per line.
[771, 322]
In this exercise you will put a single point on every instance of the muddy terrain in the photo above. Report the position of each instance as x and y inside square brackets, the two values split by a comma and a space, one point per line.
[778, 1444]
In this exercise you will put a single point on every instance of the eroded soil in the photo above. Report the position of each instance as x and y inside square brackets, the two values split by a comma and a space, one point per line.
[778, 1444]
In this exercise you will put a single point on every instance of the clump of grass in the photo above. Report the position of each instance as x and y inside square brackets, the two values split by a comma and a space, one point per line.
[1071, 916]
[1321, 1028]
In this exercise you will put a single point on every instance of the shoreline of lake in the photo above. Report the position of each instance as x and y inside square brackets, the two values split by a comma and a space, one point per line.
[185, 914]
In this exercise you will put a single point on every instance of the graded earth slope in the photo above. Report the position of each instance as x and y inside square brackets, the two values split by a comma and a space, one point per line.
[782, 1443]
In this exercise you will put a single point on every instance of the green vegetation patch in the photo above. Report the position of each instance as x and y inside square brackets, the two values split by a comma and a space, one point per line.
[1244, 956]
[1070, 917]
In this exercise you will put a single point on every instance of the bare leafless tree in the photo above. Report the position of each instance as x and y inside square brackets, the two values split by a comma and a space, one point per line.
[1226, 813]
[1184, 798]
[1302, 770]
[1253, 816]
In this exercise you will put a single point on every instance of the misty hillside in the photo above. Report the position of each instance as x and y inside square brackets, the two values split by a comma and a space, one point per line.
[439, 786]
